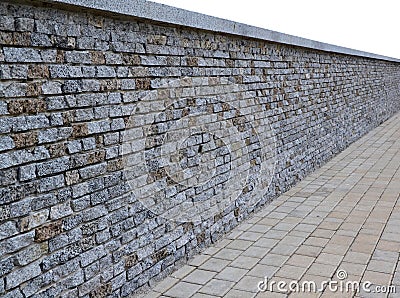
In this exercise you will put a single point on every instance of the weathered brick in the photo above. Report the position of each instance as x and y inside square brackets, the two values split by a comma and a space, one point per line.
[28, 106]
[103, 290]
[33, 220]
[37, 71]
[79, 130]
[48, 231]
[97, 57]
[143, 84]
[27, 139]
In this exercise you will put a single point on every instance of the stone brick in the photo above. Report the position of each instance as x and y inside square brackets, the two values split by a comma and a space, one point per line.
[6, 38]
[30, 122]
[101, 126]
[79, 130]
[27, 172]
[98, 57]
[6, 266]
[8, 177]
[16, 243]
[143, 84]
[57, 150]
[105, 72]
[73, 281]
[93, 171]
[8, 229]
[50, 183]
[28, 106]
[40, 40]
[21, 38]
[78, 57]
[6, 143]
[44, 201]
[37, 71]
[7, 23]
[56, 103]
[54, 134]
[4, 212]
[102, 291]
[25, 55]
[13, 71]
[33, 220]
[19, 276]
[24, 24]
[51, 87]
[27, 139]
[54, 166]
[102, 71]
[10, 89]
[31, 253]
[33, 89]
[48, 231]
[71, 177]
[60, 211]
[131, 59]
[92, 255]
[65, 71]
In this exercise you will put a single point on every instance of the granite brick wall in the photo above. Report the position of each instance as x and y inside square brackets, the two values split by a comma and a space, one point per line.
[127, 146]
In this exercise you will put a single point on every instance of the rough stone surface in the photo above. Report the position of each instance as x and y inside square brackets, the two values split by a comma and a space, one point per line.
[80, 92]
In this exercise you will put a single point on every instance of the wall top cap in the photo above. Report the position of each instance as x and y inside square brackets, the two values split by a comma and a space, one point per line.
[166, 14]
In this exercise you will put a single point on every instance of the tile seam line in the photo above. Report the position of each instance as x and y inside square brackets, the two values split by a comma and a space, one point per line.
[161, 13]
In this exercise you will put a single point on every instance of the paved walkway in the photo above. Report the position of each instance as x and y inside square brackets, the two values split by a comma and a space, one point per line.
[342, 223]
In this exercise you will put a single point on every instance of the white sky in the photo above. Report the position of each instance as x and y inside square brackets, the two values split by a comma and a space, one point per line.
[371, 26]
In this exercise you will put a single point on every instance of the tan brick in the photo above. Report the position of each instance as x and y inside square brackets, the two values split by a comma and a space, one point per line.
[48, 231]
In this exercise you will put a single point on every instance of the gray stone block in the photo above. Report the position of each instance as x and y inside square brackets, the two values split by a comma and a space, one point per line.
[50, 183]
[51, 87]
[24, 24]
[8, 229]
[6, 143]
[65, 71]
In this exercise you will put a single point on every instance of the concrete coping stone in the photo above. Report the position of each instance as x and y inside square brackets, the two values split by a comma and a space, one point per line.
[157, 12]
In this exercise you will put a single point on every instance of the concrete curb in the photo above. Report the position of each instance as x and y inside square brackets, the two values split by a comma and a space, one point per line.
[167, 14]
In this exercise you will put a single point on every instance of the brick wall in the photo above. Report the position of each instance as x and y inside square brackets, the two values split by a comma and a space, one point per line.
[127, 146]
